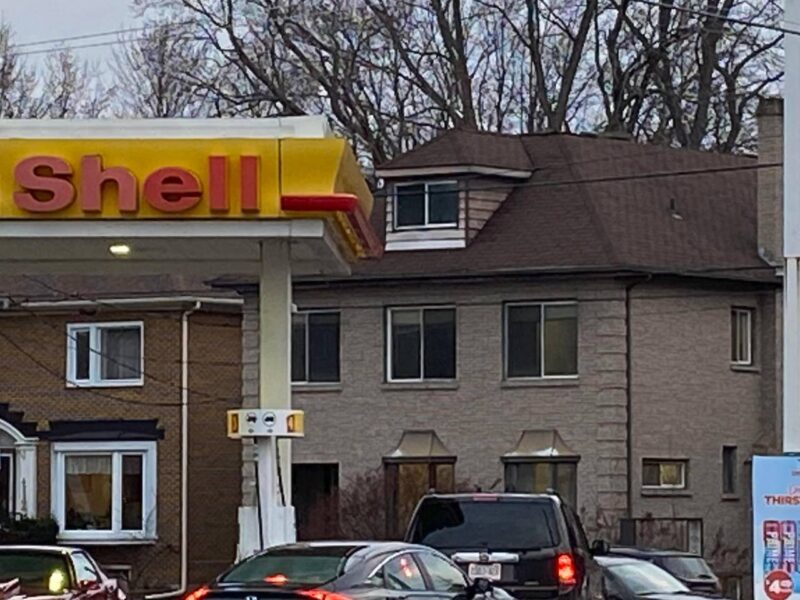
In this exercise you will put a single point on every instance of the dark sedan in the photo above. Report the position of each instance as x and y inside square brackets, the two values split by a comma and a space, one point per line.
[633, 579]
[346, 571]
[690, 568]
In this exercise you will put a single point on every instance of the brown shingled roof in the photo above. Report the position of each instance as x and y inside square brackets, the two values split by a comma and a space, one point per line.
[596, 203]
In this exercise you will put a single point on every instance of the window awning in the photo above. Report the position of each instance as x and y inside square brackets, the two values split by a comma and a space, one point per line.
[420, 446]
[541, 444]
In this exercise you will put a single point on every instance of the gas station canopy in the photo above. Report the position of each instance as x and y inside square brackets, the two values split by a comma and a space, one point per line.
[150, 196]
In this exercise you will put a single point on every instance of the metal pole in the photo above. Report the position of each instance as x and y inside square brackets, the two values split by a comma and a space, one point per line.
[275, 316]
[791, 237]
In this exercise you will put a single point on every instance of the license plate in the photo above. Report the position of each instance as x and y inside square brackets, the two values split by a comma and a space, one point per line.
[490, 571]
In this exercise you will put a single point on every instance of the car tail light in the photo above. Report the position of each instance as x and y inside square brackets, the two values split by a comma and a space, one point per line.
[566, 569]
[485, 497]
[277, 579]
[198, 594]
[322, 595]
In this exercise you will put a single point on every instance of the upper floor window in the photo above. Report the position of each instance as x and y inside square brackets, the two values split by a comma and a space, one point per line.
[742, 336]
[426, 205]
[541, 340]
[105, 354]
[315, 347]
[421, 344]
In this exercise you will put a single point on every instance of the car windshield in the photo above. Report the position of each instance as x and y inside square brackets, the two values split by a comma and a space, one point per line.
[687, 567]
[291, 567]
[643, 578]
[459, 524]
[39, 573]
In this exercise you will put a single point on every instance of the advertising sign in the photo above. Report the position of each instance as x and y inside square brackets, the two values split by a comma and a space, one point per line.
[776, 518]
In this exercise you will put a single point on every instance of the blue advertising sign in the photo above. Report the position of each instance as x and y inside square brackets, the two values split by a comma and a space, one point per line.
[776, 518]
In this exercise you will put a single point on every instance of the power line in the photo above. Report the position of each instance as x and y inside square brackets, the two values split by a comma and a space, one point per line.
[85, 36]
[80, 47]
[729, 19]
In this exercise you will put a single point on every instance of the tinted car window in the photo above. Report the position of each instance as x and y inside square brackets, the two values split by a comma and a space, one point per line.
[444, 576]
[446, 523]
[644, 578]
[39, 573]
[296, 567]
[686, 567]
[402, 573]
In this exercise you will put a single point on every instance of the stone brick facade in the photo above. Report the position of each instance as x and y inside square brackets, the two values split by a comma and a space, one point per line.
[38, 389]
[687, 400]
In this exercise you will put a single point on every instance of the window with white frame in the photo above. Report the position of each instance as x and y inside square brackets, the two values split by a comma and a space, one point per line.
[105, 354]
[104, 490]
[426, 205]
[541, 340]
[742, 336]
[664, 474]
[315, 347]
[421, 344]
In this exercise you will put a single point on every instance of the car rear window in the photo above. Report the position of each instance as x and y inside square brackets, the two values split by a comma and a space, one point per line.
[38, 573]
[687, 567]
[464, 524]
[292, 568]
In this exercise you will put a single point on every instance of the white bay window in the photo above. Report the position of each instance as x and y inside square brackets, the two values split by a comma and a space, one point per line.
[104, 491]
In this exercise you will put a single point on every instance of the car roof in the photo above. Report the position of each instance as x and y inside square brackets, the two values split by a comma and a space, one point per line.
[42, 549]
[500, 496]
[371, 547]
[611, 561]
[651, 552]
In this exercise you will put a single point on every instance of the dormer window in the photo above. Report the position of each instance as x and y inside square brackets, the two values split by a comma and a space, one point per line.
[427, 205]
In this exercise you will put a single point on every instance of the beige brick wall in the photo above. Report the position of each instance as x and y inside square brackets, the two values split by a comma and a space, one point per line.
[687, 401]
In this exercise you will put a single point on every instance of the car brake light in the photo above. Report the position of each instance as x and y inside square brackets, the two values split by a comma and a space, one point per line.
[277, 579]
[322, 595]
[566, 569]
[198, 594]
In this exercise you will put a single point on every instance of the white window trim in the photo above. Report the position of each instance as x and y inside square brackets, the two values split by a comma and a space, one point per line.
[749, 313]
[541, 306]
[427, 224]
[149, 476]
[304, 314]
[419, 309]
[681, 486]
[95, 355]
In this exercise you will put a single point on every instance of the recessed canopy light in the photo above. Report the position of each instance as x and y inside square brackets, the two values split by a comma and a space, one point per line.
[119, 250]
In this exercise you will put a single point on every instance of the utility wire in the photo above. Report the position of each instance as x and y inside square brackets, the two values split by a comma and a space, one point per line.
[713, 15]
[87, 36]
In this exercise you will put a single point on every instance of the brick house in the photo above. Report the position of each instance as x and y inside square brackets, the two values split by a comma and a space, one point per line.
[552, 311]
[92, 420]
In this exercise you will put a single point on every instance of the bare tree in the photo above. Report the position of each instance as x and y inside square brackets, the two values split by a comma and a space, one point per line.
[156, 73]
[391, 75]
[17, 81]
[70, 89]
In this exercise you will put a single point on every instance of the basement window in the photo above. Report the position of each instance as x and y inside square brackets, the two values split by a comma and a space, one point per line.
[105, 354]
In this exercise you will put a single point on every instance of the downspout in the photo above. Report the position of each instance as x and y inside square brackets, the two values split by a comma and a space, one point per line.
[629, 392]
[184, 584]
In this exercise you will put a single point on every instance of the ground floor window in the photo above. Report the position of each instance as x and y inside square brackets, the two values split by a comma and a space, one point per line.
[537, 477]
[315, 493]
[407, 482]
[6, 484]
[104, 490]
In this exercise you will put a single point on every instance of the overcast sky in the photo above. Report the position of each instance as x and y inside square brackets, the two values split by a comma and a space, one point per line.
[38, 20]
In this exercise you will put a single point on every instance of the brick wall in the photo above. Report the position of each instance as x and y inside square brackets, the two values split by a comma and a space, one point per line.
[40, 391]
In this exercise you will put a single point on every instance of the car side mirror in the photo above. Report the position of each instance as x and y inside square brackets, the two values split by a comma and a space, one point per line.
[600, 548]
[86, 585]
[479, 587]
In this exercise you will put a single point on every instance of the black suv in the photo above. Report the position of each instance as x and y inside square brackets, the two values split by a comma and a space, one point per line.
[531, 545]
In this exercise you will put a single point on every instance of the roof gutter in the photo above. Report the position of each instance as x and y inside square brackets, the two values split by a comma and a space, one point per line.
[126, 303]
